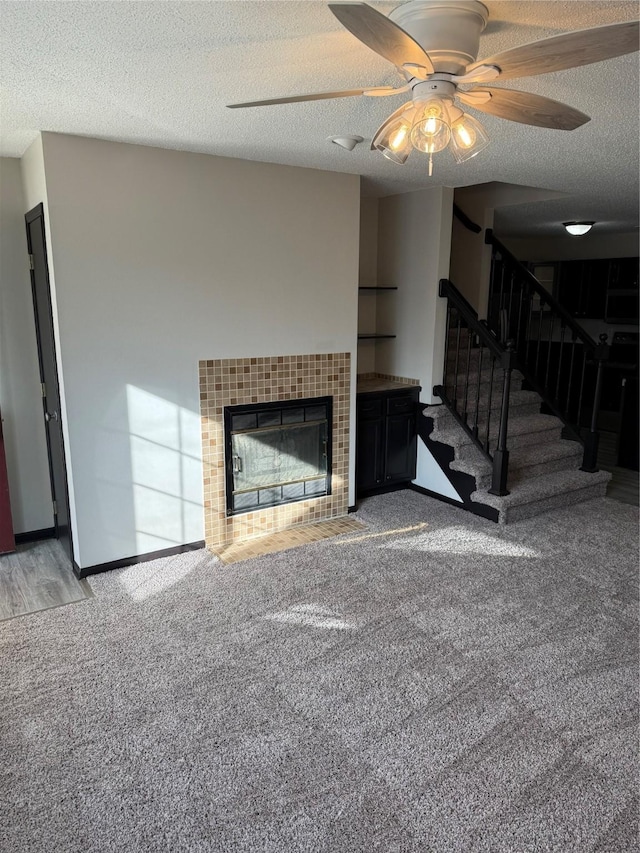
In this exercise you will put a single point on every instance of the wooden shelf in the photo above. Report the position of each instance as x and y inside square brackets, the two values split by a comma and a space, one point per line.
[374, 337]
[377, 288]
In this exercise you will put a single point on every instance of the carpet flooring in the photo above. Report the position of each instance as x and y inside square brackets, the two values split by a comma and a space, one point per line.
[433, 683]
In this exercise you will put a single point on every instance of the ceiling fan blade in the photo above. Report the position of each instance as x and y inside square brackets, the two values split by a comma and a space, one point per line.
[569, 50]
[318, 96]
[382, 35]
[525, 108]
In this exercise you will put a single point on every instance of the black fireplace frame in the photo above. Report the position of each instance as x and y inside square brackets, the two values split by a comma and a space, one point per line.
[283, 405]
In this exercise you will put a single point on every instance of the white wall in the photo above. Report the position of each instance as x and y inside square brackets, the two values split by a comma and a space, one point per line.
[566, 248]
[413, 252]
[368, 276]
[20, 397]
[470, 267]
[470, 255]
[414, 240]
[163, 258]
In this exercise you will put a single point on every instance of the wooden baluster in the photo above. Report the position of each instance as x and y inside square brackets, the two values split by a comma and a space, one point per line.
[455, 370]
[570, 380]
[563, 329]
[519, 326]
[580, 396]
[479, 380]
[511, 279]
[539, 335]
[590, 457]
[466, 383]
[527, 342]
[490, 397]
[446, 345]
[501, 455]
[549, 351]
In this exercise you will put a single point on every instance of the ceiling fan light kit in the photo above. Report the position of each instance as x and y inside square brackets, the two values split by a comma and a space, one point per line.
[468, 138]
[430, 123]
[577, 229]
[393, 140]
[433, 45]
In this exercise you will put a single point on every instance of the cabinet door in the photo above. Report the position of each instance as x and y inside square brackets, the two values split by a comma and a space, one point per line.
[369, 454]
[571, 292]
[595, 279]
[400, 448]
[623, 274]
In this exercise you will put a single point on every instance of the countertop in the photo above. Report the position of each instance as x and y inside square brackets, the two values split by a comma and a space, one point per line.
[378, 385]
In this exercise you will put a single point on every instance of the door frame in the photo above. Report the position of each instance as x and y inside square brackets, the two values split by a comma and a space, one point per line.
[30, 217]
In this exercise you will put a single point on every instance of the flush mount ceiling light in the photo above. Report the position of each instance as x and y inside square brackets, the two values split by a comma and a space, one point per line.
[434, 45]
[577, 229]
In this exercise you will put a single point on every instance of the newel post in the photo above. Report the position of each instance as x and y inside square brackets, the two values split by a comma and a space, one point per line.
[501, 454]
[592, 438]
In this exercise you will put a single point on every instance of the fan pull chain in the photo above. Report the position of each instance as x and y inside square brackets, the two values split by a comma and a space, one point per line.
[430, 165]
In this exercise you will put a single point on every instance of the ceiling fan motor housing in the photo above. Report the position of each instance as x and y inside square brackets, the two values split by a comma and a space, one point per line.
[448, 31]
[433, 88]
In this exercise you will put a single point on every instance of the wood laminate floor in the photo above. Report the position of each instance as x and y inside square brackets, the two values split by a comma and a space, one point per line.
[36, 577]
[624, 484]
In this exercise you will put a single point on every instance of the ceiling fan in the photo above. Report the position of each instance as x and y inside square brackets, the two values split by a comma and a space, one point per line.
[434, 45]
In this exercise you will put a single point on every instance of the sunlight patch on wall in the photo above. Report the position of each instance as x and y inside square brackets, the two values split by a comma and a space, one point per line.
[429, 475]
[458, 539]
[166, 468]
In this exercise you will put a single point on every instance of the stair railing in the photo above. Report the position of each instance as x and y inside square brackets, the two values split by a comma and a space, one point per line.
[470, 386]
[557, 357]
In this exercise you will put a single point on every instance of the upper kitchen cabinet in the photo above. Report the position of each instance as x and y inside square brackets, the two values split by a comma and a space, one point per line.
[599, 289]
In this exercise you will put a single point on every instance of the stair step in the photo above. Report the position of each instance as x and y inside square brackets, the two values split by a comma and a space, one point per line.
[485, 379]
[464, 354]
[526, 462]
[529, 429]
[463, 331]
[517, 401]
[542, 494]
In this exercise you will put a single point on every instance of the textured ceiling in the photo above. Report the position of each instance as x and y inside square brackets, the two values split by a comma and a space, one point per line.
[160, 73]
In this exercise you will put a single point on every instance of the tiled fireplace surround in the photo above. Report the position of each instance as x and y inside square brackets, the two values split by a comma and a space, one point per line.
[242, 381]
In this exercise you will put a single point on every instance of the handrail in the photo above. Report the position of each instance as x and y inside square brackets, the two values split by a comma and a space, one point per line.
[560, 370]
[466, 221]
[533, 282]
[450, 291]
[462, 396]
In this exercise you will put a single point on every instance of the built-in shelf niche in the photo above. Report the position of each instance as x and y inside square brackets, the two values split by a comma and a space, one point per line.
[375, 336]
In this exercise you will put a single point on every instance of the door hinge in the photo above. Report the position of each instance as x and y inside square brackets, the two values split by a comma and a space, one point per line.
[44, 389]
[31, 266]
[55, 507]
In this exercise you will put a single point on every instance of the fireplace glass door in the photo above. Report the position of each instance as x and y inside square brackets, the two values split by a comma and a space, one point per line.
[277, 453]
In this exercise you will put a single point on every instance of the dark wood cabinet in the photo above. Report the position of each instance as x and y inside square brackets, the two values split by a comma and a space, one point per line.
[621, 301]
[599, 289]
[582, 287]
[385, 439]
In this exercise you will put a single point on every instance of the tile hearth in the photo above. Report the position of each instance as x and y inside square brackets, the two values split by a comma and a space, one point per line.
[301, 535]
[230, 382]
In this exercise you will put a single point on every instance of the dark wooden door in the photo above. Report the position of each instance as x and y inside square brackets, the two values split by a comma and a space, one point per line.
[400, 448]
[369, 454]
[49, 374]
[7, 541]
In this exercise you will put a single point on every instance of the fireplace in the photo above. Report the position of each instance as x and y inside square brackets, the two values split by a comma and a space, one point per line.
[277, 453]
[287, 383]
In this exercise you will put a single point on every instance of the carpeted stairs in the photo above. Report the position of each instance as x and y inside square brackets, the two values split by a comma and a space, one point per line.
[543, 467]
